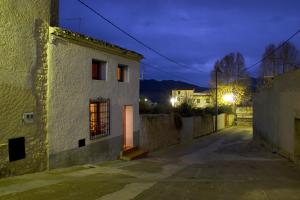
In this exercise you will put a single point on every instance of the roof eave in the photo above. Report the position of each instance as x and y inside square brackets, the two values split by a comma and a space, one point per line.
[96, 44]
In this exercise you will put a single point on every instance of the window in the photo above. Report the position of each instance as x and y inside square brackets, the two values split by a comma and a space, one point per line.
[207, 100]
[178, 92]
[198, 100]
[81, 143]
[99, 118]
[16, 149]
[122, 73]
[98, 70]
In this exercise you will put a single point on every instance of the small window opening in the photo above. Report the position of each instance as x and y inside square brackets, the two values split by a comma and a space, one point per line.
[81, 143]
[16, 149]
[122, 73]
[98, 70]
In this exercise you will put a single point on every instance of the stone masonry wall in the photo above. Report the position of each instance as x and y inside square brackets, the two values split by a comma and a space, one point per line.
[23, 82]
[158, 131]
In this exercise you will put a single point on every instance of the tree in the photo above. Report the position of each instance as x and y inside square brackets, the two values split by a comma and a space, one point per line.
[270, 64]
[280, 59]
[232, 78]
[231, 69]
[288, 55]
[239, 92]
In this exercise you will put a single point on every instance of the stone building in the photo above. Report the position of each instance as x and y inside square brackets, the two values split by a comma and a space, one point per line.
[65, 98]
[276, 119]
[196, 99]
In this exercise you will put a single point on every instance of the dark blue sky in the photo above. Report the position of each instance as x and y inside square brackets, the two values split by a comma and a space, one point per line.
[193, 32]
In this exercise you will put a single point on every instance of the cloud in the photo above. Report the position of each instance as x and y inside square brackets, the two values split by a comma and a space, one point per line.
[193, 32]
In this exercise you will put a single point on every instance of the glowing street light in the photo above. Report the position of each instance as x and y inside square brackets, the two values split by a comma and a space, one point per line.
[173, 100]
[229, 98]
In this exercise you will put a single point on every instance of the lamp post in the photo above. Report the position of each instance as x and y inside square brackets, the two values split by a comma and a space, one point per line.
[217, 69]
[230, 98]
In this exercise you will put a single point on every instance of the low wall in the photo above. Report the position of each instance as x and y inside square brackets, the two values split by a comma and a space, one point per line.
[244, 116]
[193, 127]
[221, 121]
[159, 131]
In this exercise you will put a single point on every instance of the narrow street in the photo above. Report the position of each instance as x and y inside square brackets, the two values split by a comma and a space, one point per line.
[227, 165]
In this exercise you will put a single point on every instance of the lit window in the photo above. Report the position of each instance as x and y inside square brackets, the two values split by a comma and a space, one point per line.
[99, 118]
[122, 73]
[98, 70]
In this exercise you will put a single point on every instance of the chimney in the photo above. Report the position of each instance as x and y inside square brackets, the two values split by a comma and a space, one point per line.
[54, 13]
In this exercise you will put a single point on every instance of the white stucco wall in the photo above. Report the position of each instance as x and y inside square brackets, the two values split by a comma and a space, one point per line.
[275, 110]
[71, 88]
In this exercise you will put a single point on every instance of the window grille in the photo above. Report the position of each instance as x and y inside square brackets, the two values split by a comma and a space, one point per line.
[99, 118]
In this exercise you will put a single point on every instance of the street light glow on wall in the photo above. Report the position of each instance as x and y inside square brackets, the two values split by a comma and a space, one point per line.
[173, 100]
[229, 98]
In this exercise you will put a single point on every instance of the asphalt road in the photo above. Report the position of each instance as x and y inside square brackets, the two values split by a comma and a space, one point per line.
[227, 165]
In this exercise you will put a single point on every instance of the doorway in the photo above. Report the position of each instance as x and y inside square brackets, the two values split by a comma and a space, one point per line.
[127, 127]
[297, 138]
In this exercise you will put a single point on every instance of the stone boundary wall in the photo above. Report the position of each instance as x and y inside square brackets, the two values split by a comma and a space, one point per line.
[244, 116]
[159, 131]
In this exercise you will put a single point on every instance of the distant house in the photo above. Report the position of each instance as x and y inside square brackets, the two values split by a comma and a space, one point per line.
[196, 99]
[65, 98]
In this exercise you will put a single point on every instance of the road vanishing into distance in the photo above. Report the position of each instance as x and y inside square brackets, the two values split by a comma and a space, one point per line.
[226, 165]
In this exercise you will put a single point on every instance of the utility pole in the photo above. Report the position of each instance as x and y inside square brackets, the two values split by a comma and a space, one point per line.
[216, 103]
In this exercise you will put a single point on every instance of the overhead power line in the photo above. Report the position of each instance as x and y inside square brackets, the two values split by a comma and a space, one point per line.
[132, 37]
[279, 47]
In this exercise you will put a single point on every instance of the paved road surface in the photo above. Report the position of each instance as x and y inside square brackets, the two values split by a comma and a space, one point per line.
[227, 165]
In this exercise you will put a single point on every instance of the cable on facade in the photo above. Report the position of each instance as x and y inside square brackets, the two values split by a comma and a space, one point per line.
[279, 47]
[132, 37]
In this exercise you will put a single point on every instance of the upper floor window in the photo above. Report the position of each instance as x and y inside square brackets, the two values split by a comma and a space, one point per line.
[178, 92]
[207, 100]
[98, 70]
[122, 73]
[198, 100]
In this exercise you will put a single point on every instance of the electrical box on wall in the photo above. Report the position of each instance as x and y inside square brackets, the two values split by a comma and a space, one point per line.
[28, 118]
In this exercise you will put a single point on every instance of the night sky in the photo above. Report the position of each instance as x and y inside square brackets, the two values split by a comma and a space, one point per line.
[193, 32]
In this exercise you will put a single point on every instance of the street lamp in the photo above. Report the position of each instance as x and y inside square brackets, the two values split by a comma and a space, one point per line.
[173, 100]
[229, 98]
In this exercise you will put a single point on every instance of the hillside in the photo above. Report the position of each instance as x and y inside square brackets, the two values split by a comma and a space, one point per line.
[160, 91]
